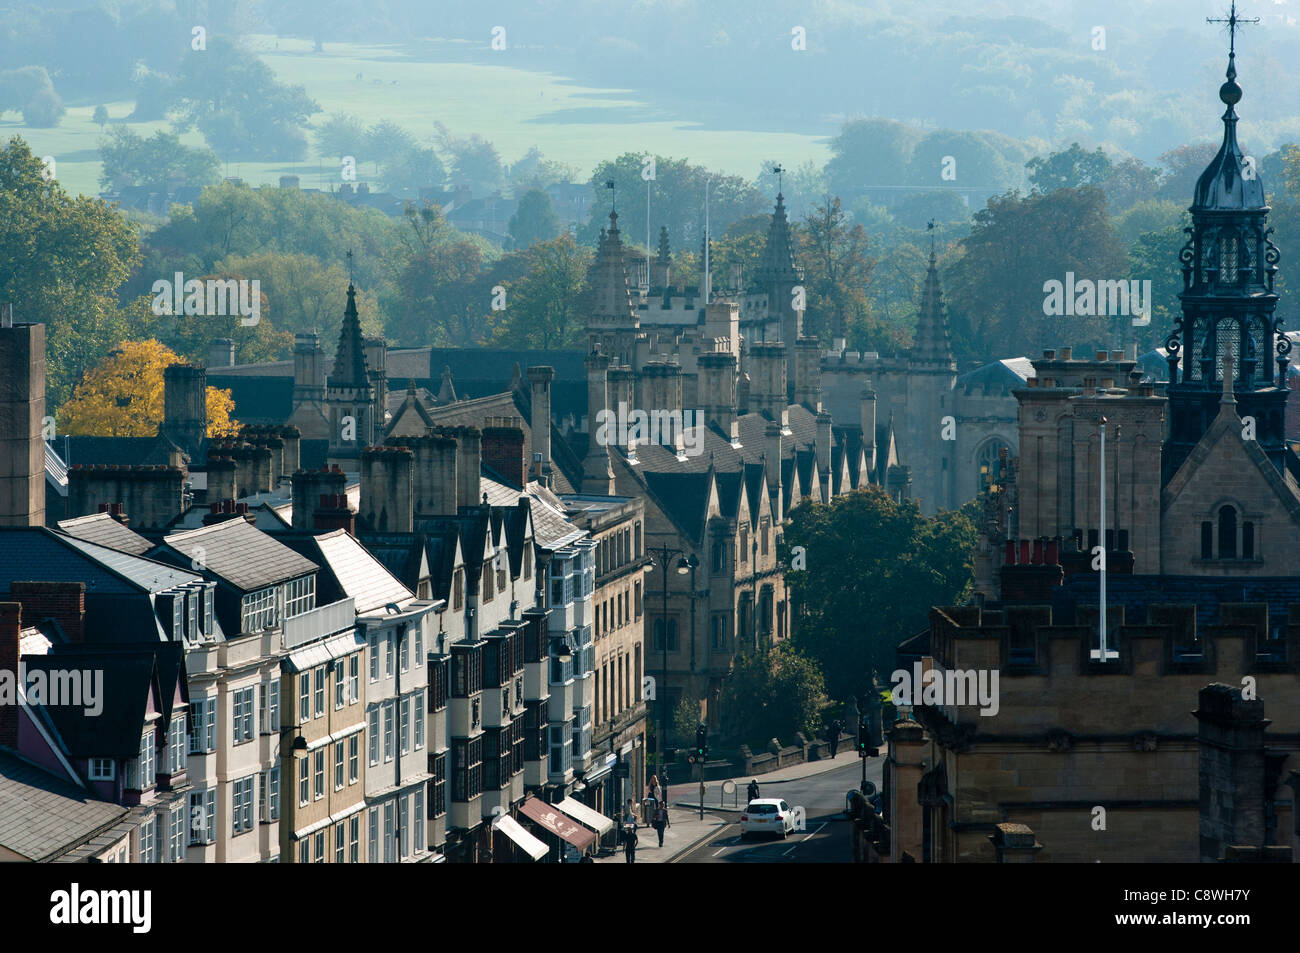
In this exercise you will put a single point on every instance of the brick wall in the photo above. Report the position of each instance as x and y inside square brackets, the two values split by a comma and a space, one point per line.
[64, 602]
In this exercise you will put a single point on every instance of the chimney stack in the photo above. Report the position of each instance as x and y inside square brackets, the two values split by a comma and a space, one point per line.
[468, 462]
[387, 488]
[717, 375]
[434, 487]
[185, 406]
[539, 379]
[309, 487]
[597, 471]
[64, 602]
[868, 422]
[808, 373]
[773, 444]
[767, 394]
[152, 495]
[22, 423]
[221, 353]
[503, 449]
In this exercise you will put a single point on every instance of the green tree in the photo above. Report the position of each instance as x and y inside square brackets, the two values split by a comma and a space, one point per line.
[938, 205]
[386, 140]
[1130, 181]
[686, 717]
[544, 307]
[875, 566]
[129, 159]
[1150, 215]
[100, 117]
[995, 290]
[870, 152]
[1181, 167]
[474, 161]
[772, 694]
[836, 273]
[1070, 169]
[342, 134]
[44, 110]
[535, 219]
[533, 171]
[233, 98]
[62, 260]
[406, 173]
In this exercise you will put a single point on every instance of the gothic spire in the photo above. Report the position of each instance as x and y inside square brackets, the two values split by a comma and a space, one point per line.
[350, 358]
[932, 342]
[611, 297]
[665, 252]
[777, 264]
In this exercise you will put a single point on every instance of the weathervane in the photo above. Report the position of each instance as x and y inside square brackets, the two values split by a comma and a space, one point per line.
[1232, 20]
[613, 195]
[349, 257]
[779, 172]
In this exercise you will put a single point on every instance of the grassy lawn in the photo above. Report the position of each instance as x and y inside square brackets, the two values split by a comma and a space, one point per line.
[513, 108]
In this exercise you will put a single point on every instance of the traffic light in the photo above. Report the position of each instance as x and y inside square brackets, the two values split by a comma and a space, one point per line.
[701, 741]
[864, 737]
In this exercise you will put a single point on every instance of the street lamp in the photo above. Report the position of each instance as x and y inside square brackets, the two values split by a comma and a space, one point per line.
[684, 565]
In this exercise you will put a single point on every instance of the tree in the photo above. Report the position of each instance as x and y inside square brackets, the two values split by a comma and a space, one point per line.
[870, 152]
[1130, 181]
[130, 160]
[532, 171]
[970, 159]
[875, 566]
[1069, 169]
[406, 173]
[19, 86]
[62, 260]
[122, 396]
[772, 694]
[100, 117]
[995, 290]
[233, 98]
[544, 307]
[686, 717]
[474, 161]
[1180, 168]
[535, 219]
[677, 200]
[1150, 215]
[836, 273]
[342, 134]
[386, 140]
[939, 205]
[44, 109]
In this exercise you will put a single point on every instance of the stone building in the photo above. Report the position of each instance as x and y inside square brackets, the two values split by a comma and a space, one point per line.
[1104, 626]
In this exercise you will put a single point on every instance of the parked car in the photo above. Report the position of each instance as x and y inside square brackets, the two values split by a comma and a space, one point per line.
[767, 815]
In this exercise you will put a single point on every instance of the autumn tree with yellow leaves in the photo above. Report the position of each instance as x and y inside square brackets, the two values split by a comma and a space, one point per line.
[122, 396]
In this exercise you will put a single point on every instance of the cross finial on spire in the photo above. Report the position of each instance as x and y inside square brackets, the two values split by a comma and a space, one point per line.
[1233, 21]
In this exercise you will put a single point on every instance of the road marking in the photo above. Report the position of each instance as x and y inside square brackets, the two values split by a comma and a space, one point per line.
[792, 847]
[719, 851]
[810, 833]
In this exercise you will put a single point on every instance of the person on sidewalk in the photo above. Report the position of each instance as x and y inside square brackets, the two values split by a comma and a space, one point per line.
[661, 821]
[629, 838]
[834, 734]
[753, 789]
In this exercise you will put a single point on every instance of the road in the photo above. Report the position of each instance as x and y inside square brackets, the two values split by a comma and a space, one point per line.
[824, 839]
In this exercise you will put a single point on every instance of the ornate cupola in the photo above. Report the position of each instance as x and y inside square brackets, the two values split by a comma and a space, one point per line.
[1228, 302]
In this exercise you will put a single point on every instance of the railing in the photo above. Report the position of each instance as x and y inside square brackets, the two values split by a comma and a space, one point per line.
[321, 621]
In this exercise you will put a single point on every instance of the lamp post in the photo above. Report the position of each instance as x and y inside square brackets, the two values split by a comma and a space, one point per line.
[684, 565]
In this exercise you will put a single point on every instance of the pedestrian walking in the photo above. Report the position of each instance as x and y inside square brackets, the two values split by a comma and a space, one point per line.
[629, 836]
[661, 821]
[835, 730]
[753, 789]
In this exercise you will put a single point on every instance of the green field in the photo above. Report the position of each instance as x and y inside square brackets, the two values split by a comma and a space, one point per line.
[513, 108]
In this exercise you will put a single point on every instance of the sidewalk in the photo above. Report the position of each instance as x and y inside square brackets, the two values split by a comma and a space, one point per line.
[685, 832]
[687, 793]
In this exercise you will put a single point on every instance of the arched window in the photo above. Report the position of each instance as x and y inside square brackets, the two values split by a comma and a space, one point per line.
[1228, 533]
[989, 463]
[1227, 258]
[1228, 334]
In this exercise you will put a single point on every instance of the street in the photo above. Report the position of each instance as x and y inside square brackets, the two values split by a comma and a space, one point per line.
[824, 839]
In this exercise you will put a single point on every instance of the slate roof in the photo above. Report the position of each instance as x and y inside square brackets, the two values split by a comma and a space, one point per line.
[119, 451]
[37, 553]
[998, 377]
[129, 680]
[169, 665]
[241, 554]
[259, 399]
[402, 555]
[42, 816]
[353, 569]
[684, 496]
[102, 529]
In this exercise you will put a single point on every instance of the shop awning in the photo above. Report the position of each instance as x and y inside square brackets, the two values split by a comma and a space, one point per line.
[530, 845]
[558, 823]
[584, 815]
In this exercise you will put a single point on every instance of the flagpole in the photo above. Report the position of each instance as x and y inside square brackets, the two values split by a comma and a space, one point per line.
[1102, 541]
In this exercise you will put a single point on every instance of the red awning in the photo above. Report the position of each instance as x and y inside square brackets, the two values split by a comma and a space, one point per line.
[558, 823]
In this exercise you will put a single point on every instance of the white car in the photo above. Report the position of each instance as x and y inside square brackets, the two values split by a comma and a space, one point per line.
[767, 815]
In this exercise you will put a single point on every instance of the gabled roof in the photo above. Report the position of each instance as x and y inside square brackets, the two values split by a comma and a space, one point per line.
[43, 816]
[130, 684]
[102, 529]
[169, 665]
[240, 554]
[34, 553]
[998, 377]
[684, 497]
[353, 569]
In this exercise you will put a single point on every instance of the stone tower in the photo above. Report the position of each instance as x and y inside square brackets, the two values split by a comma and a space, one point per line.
[349, 393]
[612, 321]
[931, 376]
[1228, 304]
[777, 275]
[22, 420]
